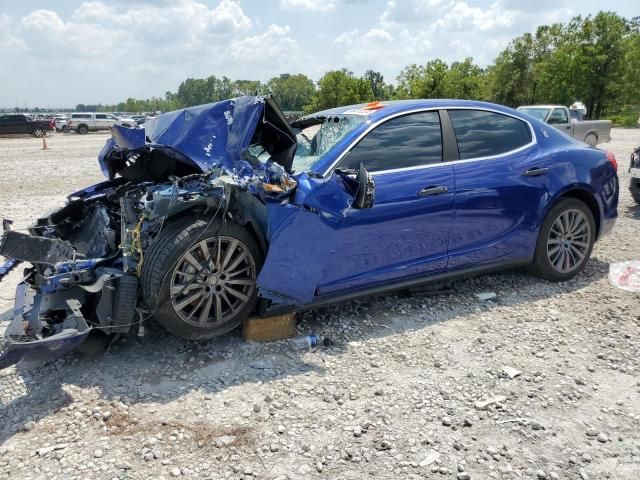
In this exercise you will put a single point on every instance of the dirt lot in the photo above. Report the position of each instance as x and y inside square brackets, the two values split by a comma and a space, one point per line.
[415, 387]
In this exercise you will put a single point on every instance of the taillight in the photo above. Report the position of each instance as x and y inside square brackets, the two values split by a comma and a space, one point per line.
[612, 158]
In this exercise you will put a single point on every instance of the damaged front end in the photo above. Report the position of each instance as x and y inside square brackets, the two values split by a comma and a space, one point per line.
[86, 257]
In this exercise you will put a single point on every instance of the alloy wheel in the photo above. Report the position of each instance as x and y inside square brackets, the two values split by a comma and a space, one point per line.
[569, 241]
[213, 281]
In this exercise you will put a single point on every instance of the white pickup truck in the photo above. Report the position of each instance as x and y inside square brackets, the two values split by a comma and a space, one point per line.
[592, 132]
[90, 122]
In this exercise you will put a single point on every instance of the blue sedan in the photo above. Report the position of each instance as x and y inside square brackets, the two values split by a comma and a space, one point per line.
[213, 213]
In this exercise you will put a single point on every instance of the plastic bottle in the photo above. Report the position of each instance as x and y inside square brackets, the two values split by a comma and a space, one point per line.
[305, 342]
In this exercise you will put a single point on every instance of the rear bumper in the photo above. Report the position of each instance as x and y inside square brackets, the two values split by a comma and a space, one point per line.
[26, 341]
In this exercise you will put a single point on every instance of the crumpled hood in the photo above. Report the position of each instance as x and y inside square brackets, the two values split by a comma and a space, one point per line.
[209, 136]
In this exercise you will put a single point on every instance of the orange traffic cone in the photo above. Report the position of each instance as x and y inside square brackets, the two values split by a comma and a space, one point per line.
[44, 142]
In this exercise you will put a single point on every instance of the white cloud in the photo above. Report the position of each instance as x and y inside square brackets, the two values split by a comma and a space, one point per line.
[275, 46]
[312, 5]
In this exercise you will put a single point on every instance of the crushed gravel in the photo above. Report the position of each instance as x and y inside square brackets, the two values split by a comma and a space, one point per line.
[539, 382]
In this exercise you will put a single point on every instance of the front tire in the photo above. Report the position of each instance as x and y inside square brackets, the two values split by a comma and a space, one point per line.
[198, 277]
[83, 129]
[565, 241]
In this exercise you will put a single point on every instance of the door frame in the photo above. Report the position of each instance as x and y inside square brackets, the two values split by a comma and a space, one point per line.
[449, 142]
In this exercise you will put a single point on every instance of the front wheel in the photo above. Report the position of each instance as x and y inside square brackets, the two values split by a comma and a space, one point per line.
[83, 129]
[565, 241]
[199, 277]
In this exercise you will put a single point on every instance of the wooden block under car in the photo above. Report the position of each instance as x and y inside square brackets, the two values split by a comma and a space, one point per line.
[277, 327]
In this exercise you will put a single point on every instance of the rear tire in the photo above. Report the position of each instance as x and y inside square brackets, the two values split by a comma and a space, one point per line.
[38, 133]
[193, 288]
[83, 129]
[565, 241]
[591, 140]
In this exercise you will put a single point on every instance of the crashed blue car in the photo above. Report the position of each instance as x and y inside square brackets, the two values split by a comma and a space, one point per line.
[216, 212]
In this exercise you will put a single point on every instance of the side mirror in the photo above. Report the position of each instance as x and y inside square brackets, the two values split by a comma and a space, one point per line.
[365, 194]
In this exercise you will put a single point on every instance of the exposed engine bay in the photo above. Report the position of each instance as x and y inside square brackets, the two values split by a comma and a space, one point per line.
[87, 255]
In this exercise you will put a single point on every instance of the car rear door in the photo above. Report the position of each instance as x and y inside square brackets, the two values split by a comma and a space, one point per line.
[406, 232]
[501, 186]
[102, 121]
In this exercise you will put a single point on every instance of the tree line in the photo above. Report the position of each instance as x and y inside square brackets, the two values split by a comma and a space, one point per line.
[593, 59]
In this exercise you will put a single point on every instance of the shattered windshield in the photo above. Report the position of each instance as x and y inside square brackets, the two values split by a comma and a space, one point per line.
[539, 113]
[319, 137]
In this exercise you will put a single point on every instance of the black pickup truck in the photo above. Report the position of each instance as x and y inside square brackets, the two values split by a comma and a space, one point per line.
[14, 124]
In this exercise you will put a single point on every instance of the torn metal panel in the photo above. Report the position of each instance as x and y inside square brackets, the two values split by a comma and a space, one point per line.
[311, 224]
[215, 135]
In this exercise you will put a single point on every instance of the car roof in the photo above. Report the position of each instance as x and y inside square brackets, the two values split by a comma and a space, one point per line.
[542, 106]
[382, 109]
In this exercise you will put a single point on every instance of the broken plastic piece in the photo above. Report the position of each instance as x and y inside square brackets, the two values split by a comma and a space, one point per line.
[625, 275]
[34, 249]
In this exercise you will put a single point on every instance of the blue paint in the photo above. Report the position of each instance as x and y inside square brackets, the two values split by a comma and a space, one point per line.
[490, 216]
[319, 247]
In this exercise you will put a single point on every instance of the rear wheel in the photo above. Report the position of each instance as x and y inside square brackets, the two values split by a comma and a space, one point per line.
[591, 140]
[201, 276]
[565, 240]
[65, 129]
[38, 132]
[83, 129]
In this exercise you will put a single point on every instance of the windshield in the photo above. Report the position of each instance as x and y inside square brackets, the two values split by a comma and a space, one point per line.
[536, 112]
[317, 138]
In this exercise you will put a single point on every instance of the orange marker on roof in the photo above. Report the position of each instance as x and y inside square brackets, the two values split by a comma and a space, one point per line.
[374, 105]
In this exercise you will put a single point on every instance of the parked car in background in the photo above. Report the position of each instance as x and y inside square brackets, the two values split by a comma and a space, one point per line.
[21, 124]
[140, 119]
[634, 170]
[216, 211]
[592, 132]
[84, 122]
[60, 123]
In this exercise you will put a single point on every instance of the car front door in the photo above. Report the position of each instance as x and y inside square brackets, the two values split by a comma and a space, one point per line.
[559, 119]
[501, 185]
[406, 232]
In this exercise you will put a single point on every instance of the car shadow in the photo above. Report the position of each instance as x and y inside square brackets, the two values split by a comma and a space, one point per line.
[159, 368]
[633, 211]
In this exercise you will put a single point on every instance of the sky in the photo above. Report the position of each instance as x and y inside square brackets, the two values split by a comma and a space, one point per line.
[57, 54]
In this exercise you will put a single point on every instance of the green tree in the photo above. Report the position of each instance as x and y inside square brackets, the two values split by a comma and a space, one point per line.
[426, 81]
[292, 92]
[340, 87]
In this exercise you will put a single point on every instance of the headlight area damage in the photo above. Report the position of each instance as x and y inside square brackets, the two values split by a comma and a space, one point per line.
[87, 257]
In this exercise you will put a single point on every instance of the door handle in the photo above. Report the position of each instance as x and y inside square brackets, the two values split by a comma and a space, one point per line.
[429, 191]
[536, 172]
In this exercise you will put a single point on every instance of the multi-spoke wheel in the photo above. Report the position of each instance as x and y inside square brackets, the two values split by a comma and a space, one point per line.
[200, 277]
[565, 240]
[569, 241]
[213, 281]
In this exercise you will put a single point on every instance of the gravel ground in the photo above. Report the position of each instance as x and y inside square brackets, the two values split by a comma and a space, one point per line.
[541, 382]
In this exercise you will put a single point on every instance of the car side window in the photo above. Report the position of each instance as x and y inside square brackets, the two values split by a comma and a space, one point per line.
[407, 141]
[482, 134]
[101, 116]
[559, 115]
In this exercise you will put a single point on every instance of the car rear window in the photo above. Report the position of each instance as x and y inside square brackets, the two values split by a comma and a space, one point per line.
[483, 134]
[402, 142]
